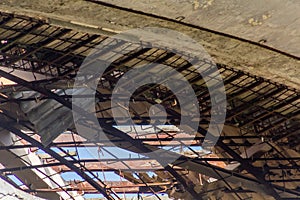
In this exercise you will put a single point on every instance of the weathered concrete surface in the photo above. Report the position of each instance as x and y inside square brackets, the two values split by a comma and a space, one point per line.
[274, 22]
[9, 192]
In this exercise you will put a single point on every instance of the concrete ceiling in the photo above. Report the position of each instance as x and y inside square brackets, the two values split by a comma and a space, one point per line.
[272, 24]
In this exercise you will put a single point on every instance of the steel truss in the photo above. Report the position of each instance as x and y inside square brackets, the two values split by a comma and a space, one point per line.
[262, 111]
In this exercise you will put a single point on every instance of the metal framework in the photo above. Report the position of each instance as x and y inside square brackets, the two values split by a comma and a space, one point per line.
[259, 113]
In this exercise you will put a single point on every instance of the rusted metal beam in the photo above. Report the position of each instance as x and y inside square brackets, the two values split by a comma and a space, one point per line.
[105, 191]
[117, 186]
[106, 128]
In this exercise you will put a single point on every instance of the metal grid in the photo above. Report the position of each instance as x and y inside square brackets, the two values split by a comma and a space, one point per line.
[260, 109]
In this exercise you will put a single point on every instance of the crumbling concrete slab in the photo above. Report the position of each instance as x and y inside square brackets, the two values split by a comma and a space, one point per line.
[273, 23]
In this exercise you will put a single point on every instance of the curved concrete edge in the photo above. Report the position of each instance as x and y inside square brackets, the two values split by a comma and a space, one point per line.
[96, 19]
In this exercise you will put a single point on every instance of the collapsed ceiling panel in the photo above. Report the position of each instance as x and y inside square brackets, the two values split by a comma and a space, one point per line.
[256, 156]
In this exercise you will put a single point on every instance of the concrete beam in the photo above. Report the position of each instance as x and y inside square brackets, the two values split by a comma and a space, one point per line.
[233, 50]
[7, 191]
[34, 178]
